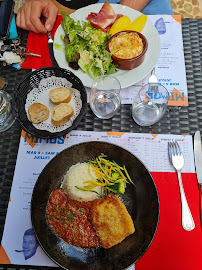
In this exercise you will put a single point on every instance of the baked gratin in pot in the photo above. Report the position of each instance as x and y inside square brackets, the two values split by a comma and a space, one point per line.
[133, 62]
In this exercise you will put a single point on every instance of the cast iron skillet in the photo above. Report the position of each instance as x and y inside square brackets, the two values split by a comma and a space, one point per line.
[141, 201]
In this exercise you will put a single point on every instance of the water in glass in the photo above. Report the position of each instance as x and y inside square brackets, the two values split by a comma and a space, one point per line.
[146, 113]
[150, 104]
[6, 117]
[105, 105]
[105, 97]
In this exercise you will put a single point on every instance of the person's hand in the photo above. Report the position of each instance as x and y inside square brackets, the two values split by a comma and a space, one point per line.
[29, 15]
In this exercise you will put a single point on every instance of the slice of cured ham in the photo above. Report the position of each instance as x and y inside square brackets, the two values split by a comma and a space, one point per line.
[92, 16]
[104, 18]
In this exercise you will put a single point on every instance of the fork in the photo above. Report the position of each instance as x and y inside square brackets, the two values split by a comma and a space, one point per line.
[177, 160]
[153, 81]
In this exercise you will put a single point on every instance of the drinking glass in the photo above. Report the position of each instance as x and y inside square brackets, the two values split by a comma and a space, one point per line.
[6, 117]
[105, 96]
[150, 104]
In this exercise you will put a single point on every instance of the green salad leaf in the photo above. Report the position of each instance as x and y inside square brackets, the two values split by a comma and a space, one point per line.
[59, 47]
[87, 46]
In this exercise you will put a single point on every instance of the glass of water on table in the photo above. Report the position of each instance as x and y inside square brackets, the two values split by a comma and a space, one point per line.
[6, 117]
[150, 104]
[105, 96]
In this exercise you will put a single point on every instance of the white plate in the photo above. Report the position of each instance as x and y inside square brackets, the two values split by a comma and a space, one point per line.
[125, 77]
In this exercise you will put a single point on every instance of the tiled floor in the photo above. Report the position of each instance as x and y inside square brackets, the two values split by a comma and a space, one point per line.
[187, 8]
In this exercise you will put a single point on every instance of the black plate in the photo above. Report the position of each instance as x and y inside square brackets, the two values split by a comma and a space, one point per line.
[32, 81]
[141, 201]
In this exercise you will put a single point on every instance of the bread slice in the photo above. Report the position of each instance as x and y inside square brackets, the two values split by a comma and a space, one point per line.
[61, 114]
[60, 95]
[111, 220]
[38, 113]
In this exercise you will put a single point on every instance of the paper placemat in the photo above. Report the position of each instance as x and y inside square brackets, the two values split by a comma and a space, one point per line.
[152, 150]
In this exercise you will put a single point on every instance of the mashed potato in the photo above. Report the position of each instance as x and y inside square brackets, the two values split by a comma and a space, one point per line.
[76, 176]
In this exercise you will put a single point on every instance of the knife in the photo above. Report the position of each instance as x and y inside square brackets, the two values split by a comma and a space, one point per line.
[198, 164]
[50, 46]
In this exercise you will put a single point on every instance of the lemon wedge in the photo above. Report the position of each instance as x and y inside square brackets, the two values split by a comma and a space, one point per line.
[138, 24]
[120, 25]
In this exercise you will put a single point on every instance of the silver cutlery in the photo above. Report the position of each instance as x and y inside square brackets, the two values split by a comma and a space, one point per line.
[153, 78]
[50, 46]
[198, 164]
[153, 81]
[177, 160]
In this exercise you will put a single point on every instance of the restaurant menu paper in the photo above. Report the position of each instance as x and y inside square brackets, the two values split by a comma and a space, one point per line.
[170, 69]
[18, 246]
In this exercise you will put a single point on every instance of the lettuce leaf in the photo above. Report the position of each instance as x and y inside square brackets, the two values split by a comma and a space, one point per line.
[90, 43]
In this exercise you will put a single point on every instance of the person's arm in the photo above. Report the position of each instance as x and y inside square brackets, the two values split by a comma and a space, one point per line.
[63, 8]
[29, 15]
[135, 4]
